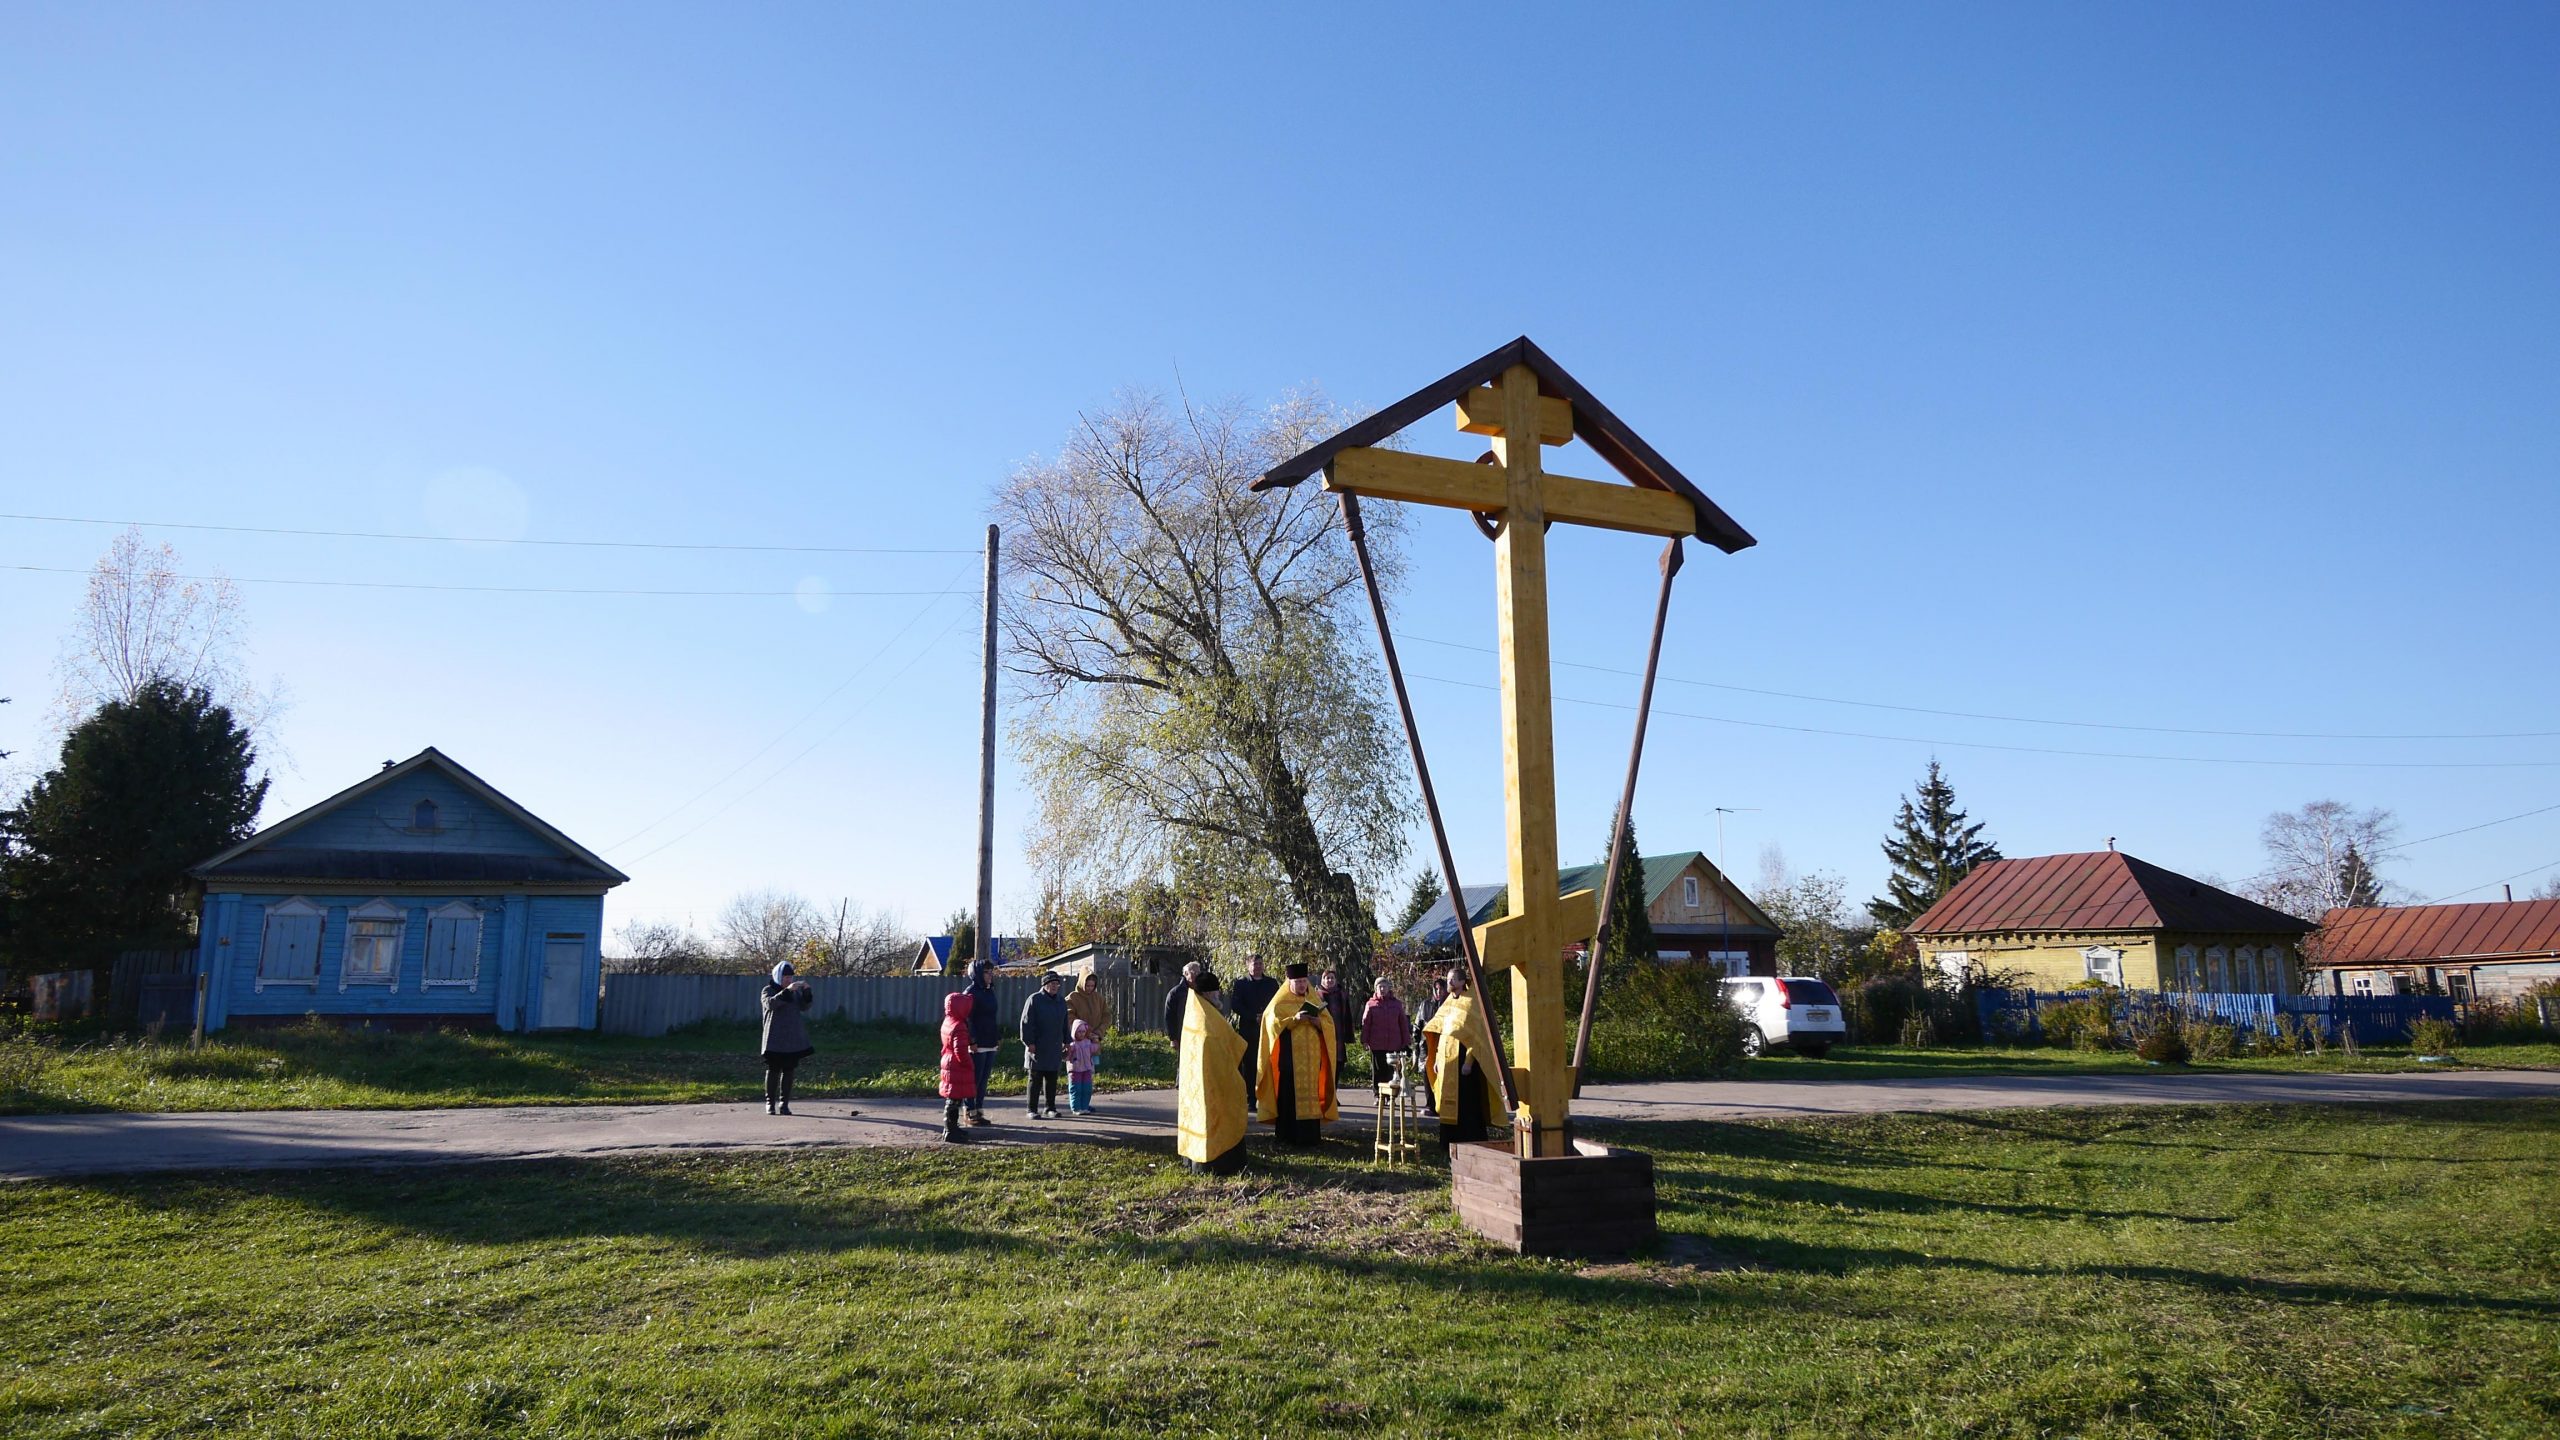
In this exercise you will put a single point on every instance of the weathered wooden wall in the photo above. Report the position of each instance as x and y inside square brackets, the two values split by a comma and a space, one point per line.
[656, 1004]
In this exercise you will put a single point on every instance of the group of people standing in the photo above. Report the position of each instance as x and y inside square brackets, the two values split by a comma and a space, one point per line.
[1061, 1035]
[1278, 1060]
[1281, 1057]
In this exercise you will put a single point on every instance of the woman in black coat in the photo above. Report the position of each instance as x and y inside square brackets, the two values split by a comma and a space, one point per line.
[786, 1035]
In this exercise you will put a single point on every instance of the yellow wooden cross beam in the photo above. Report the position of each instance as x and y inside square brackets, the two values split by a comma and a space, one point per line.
[1503, 943]
[1430, 480]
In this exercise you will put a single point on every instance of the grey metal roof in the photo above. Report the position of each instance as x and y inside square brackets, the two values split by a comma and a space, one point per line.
[410, 867]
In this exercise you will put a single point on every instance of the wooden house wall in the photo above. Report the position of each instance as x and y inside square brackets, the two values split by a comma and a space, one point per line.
[513, 929]
[549, 915]
[465, 823]
[1713, 903]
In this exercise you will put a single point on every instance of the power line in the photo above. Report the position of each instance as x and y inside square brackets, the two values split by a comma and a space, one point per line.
[492, 540]
[804, 754]
[2045, 750]
[489, 589]
[2501, 880]
[2026, 719]
[785, 732]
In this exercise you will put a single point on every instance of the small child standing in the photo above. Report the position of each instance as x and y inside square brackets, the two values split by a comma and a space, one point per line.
[959, 1075]
[1082, 1052]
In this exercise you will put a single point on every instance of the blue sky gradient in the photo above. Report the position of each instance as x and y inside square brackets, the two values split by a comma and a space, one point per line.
[2193, 367]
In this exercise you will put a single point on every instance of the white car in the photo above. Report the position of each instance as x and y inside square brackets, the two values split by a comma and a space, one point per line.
[1790, 1010]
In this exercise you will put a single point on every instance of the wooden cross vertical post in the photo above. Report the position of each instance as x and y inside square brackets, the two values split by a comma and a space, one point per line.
[1529, 776]
[1522, 400]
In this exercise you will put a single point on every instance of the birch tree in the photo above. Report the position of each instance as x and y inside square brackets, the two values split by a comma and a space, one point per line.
[1198, 701]
[2323, 856]
[143, 619]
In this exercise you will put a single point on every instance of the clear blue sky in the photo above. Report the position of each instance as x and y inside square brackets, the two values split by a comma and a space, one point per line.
[2179, 366]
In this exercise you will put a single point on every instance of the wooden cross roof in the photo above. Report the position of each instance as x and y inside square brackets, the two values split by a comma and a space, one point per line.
[1593, 424]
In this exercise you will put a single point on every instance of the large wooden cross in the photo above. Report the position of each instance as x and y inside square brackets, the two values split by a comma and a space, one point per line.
[1524, 401]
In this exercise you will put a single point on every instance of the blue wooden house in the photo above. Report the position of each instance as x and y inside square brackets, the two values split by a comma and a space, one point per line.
[421, 897]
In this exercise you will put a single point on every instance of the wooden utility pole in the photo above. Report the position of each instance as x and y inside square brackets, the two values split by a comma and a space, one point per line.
[983, 942]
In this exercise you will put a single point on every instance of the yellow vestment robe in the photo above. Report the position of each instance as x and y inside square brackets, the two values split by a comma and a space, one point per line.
[1311, 1057]
[1210, 1120]
[1452, 1025]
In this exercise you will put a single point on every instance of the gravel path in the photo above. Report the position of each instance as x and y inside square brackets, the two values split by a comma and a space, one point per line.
[58, 1146]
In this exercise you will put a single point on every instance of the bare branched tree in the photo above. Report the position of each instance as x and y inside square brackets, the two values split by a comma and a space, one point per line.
[2323, 856]
[2548, 890]
[659, 947]
[861, 942]
[144, 619]
[762, 928]
[1199, 705]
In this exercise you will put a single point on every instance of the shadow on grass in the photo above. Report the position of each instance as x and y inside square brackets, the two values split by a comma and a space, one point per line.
[1071, 1207]
[2137, 1130]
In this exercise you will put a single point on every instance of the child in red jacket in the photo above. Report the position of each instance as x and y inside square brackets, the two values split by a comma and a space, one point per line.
[959, 1074]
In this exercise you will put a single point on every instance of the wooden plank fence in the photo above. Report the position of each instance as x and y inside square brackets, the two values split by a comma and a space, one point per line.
[656, 1004]
[134, 970]
[2377, 1019]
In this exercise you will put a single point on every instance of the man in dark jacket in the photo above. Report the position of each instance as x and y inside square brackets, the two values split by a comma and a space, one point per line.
[1251, 997]
[1044, 1042]
[985, 1034]
[1337, 1002]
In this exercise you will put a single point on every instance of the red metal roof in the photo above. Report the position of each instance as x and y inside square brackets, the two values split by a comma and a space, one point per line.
[2390, 934]
[2097, 890]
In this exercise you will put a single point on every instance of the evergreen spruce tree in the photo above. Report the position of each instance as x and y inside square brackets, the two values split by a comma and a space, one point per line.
[1931, 848]
[962, 927]
[97, 852]
[2358, 886]
[1630, 927]
[1425, 894]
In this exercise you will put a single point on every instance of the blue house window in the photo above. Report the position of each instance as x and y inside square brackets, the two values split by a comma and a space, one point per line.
[289, 945]
[372, 952]
[453, 945]
[424, 817]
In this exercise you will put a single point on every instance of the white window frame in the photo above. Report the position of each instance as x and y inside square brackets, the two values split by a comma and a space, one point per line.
[445, 917]
[2363, 985]
[2190, 975]
[2217, 969]
[2280, 975]
[2245, 966]
[1689, 893]
[373, 912]
[2103, 962]
[1730, 964]
[296, 908]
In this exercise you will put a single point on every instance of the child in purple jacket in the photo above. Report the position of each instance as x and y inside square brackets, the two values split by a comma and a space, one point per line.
[1082, 1052]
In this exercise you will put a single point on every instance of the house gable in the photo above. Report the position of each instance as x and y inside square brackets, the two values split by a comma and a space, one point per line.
[424, 820]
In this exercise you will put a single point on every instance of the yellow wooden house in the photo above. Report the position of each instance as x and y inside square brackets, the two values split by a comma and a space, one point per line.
[2056, 921]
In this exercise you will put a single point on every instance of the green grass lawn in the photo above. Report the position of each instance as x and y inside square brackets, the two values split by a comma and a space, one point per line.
[326, 1067]
[2328, 1271]
[1898, 1062]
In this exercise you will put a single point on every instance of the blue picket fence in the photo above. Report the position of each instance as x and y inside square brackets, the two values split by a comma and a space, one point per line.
[2376, 1019]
